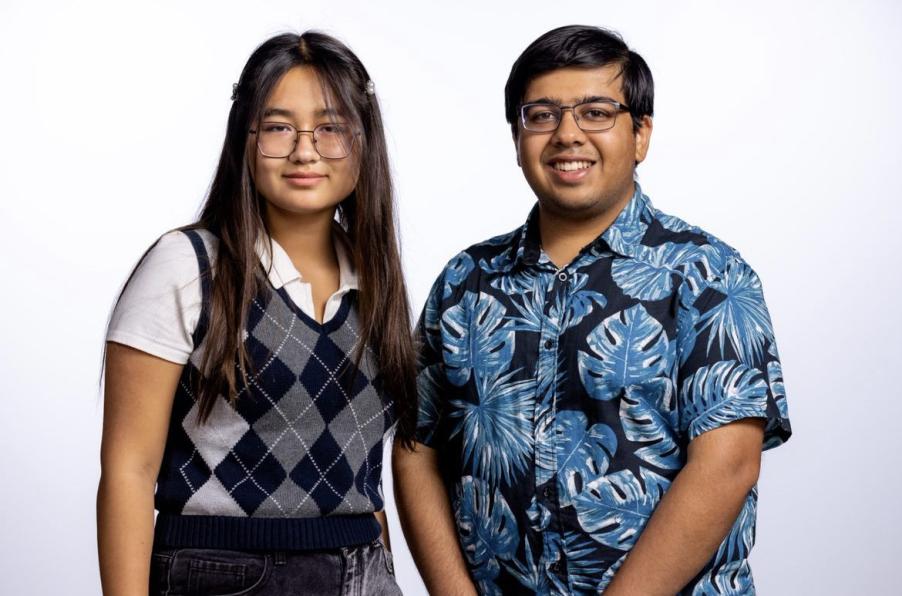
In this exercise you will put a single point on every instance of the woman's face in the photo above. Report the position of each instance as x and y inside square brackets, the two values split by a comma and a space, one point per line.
[304, 182]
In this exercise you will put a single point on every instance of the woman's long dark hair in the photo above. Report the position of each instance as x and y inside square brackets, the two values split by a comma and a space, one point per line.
[234, 211]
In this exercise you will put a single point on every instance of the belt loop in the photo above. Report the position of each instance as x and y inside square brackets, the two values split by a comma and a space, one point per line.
[279, 557]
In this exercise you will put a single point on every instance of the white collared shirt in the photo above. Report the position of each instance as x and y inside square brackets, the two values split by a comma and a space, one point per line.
[160, 307]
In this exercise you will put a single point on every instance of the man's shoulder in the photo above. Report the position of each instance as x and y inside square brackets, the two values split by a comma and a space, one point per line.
[491, 255]
[672, 242]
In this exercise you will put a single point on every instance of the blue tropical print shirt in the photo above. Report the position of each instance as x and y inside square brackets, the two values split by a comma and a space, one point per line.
[561, 401]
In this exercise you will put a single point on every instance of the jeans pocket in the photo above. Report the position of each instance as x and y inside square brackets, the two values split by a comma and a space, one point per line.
[214, 572]
[159, 571]
[387, 557]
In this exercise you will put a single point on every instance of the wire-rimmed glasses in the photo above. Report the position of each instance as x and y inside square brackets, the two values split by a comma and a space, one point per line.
[590, 116]
[279, 139]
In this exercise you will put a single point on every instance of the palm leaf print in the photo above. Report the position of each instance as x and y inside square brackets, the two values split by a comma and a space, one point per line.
[529, 571]
[775, 379]
[544, 453]
[428, 390]
[486, 527]
[496, 430]
[627, 348]
[644, 423]
[539, 516]
[583, 563]
[733, 579]
[614, 509]
[672, 223]
[583, 453]
[739, 541]
[582, 301]
[476, 338]
[457, 271]
[627, 229]
[719, 394]
[741, 318]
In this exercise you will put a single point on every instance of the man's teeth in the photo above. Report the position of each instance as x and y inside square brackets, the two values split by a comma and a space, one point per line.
[569, 166]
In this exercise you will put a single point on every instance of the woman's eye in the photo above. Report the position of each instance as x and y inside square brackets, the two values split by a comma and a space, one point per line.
[275, 127]
[332, 129]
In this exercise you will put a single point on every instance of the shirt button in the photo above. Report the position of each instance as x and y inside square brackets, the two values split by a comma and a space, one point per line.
[548, 344]
[562, 276]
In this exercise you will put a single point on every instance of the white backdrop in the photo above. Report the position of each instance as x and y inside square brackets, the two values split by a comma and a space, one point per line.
[777, 128]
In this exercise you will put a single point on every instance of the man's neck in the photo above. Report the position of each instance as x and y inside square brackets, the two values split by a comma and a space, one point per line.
[564, 237]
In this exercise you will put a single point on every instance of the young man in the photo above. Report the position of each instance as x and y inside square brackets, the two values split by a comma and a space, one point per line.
[597, 386]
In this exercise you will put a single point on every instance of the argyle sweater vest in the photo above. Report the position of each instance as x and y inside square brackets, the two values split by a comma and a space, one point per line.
[296, 463]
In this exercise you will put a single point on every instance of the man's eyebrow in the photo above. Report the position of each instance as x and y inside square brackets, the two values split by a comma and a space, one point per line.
[584, 99]
[553, 100]
[594, 98]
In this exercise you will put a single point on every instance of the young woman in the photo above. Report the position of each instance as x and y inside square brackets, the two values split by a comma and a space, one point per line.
[257, 358]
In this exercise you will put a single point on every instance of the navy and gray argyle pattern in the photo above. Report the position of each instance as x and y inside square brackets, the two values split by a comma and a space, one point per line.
[304, 440]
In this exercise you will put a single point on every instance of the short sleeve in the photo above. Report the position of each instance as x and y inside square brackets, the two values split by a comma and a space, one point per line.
[160, 305]
[431, 379]
[729, 367]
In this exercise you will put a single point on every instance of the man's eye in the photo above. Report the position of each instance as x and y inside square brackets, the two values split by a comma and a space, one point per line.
[597, 114]
[542, 116]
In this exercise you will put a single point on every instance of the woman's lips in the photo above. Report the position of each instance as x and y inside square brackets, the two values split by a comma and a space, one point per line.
[304, 180]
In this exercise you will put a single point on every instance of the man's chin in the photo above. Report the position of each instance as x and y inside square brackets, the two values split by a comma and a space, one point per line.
[573, 207]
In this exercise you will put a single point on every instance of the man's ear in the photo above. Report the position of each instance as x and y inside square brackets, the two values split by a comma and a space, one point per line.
[643, 138]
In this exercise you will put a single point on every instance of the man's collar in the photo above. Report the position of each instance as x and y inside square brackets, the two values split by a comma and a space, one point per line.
[625, 234]
[281, 270]
[622, 237]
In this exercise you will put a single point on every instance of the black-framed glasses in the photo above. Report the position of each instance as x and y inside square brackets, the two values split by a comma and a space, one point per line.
[279, 139]
[590, 116]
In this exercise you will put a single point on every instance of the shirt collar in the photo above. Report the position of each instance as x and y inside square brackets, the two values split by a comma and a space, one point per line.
[281, 270]
[622, 237]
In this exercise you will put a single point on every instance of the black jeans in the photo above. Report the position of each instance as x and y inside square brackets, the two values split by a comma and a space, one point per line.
[351, 571]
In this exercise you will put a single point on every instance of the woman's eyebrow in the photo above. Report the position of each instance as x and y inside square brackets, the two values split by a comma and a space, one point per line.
[276, 111]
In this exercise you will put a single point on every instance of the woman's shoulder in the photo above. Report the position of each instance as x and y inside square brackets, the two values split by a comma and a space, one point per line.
[177, 245]
[160, 304]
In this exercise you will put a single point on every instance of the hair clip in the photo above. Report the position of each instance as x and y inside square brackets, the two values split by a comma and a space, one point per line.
[234, 91]
[370, 88]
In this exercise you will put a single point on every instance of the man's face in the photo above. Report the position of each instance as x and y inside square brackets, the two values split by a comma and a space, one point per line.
[604, 161]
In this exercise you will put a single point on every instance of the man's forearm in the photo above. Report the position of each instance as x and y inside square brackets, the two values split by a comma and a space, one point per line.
[428, 522]
[691, 520]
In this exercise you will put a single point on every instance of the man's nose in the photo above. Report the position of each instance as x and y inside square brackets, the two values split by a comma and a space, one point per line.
[568, 131]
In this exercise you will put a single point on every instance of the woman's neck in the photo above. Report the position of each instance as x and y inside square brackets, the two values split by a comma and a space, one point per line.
[306, 238]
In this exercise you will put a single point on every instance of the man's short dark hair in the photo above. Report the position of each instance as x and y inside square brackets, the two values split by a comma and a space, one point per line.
[581, 45]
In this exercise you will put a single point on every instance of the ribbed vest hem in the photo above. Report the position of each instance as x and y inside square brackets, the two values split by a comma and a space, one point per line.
[264, 533]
